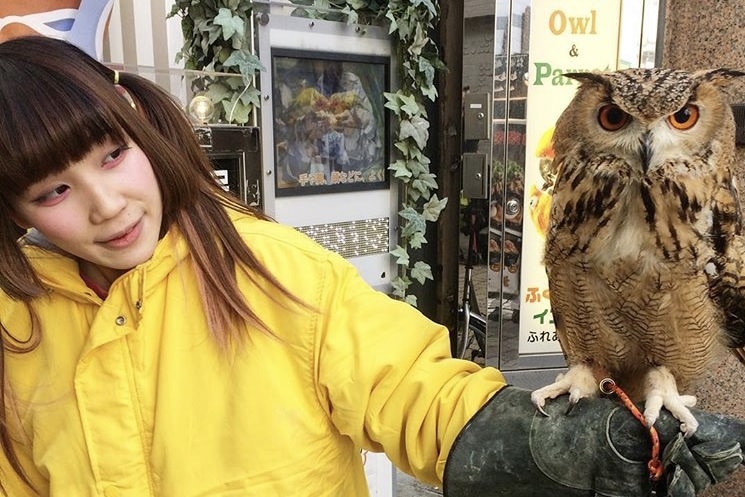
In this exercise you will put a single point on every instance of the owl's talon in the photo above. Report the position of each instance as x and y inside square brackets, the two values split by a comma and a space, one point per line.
[570, 406]
[578, 382]
[651, 417]
[662, 391]
[576, 394]
[539, 401]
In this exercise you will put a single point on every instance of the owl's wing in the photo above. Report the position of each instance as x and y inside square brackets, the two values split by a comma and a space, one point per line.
[727, 282]
[561, 285]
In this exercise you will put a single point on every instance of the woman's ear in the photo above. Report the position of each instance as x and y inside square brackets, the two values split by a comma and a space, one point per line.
[23, 225]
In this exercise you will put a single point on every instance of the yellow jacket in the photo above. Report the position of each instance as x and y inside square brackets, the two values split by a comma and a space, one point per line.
[131, 397]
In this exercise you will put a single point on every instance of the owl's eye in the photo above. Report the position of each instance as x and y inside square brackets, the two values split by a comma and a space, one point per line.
[685, 118]
[612, 118]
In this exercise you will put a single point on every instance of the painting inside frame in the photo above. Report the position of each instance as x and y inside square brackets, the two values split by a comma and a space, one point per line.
[330, 122]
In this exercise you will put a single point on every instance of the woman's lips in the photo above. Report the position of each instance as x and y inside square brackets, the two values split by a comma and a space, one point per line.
[126, 238]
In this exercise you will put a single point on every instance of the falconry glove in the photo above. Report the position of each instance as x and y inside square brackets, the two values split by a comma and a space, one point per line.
[597, 449]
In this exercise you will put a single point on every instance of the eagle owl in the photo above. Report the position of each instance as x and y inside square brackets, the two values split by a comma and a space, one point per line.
[644, 253]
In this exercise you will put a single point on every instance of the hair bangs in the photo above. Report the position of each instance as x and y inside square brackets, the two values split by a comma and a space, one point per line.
[49, 124]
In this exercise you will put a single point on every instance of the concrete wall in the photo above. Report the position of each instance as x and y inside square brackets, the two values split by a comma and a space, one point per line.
[701, 35]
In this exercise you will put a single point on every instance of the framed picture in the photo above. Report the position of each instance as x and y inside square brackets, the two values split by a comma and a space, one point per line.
[330, 122]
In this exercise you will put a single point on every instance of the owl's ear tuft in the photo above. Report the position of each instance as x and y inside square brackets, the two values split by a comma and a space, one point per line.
[599, 79]
[718, 77]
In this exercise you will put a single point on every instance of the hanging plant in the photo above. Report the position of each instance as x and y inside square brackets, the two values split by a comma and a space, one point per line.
[213, 42]
[412, 21]
[216, 40]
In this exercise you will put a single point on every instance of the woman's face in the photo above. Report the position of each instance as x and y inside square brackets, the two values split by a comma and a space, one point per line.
[105, 209]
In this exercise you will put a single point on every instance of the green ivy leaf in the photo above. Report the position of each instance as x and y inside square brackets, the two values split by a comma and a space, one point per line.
[236, 83]
[214, 33]
[433, 207]
[410, 105]
[419, 42]
[392, 102]
[404, 28]
[251, 97]
[417, 225]
[416, 128]
[197, 12]
[404, 148]
[427, 3]
[425, 183]
[217, 92]
[416, 154]
[247, 62]
[428, 180]
[176, 8]
[400, 285]
[421, 272]
[417, 240]
[426, 69]
[430, 92]
[400, 170]
[401, 255]
[414, 195]
[351, 15]
[411, 300]
[409, 213]
[231, 25]
[235, 111]
[392, 24]
[417, 167]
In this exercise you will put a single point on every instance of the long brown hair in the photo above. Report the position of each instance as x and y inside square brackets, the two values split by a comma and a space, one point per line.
[58, 103]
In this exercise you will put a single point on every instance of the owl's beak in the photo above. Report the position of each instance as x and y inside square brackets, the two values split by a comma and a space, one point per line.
[645, 150]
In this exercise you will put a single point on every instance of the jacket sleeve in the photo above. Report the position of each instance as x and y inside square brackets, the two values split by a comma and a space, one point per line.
[16, 313]
[386, 373]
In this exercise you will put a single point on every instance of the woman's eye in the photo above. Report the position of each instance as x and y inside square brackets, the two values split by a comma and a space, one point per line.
[52, 196]
[612, 118]
[116, 154]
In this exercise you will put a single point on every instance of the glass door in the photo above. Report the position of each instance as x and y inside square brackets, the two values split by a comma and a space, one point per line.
[501, 232]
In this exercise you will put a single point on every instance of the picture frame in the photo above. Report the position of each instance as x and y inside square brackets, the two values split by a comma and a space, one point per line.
[331, 127]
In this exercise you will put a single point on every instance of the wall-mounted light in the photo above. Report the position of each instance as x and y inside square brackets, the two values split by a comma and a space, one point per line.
[201, 109]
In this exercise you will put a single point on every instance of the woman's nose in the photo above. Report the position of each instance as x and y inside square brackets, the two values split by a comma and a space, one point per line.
[105, 202]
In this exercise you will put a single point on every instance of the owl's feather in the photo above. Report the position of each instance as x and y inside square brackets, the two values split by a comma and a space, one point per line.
[644, 252]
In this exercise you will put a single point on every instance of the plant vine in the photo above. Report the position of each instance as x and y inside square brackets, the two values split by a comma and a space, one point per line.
[214, 34]
[216, 40]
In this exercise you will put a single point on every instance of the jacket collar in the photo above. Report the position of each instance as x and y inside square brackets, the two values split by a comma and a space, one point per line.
[58, 270]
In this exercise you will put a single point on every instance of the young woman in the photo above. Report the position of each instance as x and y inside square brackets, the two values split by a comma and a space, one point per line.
[161, 339]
